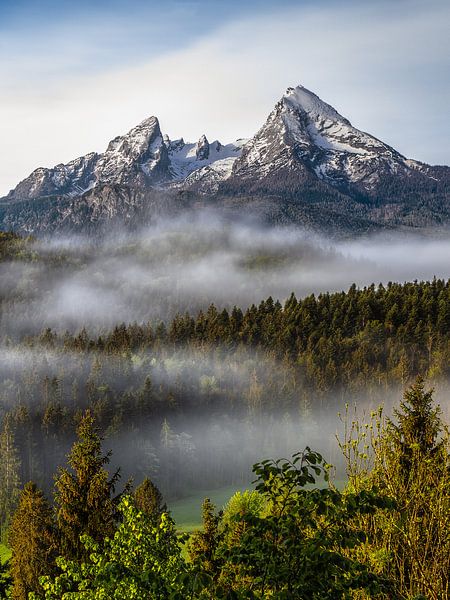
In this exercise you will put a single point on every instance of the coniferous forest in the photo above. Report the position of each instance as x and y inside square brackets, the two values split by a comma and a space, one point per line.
[224, 300]
[104, 425]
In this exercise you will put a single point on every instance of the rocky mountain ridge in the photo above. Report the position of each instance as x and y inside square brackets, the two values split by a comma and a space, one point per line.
[142, 157]
[304, 131]
[305, 156]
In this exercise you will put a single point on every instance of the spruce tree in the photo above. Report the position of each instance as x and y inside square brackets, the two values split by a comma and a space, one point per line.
[418, 428]
[203, 544]
[84, 494]
[32, 541]
[149, 500]
[411, 466]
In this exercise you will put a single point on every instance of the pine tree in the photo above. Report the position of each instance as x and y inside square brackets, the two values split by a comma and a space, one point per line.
[166, 435]
[83, 496]
[203, 544]
[32, 541]
[419, 425]
[9, 476]
[149, 500]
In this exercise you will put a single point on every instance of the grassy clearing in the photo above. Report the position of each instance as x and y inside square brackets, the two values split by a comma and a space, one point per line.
[187, 512]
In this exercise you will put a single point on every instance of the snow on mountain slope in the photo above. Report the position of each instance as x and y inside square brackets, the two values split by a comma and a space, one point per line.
[141, 150]
[143, 156]
[304, 144]
[71, 179]
[304, 132]
[202, 164]
[126, 160]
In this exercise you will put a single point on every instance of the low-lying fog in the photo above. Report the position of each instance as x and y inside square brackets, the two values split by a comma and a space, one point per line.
[216, 429]
[210, 416]
[187, 263]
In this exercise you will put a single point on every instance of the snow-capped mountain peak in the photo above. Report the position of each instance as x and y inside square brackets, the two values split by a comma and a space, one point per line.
[300, 98]
[305, 133]
[305, 149]
[314, 122]
[137, 140]
[141, 149]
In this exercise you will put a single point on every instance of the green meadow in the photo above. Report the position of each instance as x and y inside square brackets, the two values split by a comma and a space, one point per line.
[187, 512]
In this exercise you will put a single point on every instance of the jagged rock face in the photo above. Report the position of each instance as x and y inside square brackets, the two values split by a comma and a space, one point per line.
[306, 159]
[143, 157]
[139, 156]
[71, 179]
[202, 149]
[303, 133]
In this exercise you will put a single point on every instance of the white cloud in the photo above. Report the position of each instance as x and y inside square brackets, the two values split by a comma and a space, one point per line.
[184, 263]
[380, 65]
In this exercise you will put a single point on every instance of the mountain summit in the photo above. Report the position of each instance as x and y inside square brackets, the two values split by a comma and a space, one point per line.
[305, 133]
[306, 158]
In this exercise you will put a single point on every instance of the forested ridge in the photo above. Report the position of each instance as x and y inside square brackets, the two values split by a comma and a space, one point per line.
[150, 385]
[334, 336]
[192, 402]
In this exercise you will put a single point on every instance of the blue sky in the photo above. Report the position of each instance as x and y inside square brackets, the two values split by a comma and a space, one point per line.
[124, 31]
[75, 74]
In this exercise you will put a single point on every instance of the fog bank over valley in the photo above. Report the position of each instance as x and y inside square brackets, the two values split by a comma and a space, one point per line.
[194, 400]
[188, 263]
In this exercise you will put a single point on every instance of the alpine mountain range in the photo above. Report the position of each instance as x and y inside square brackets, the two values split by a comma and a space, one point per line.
[307, 166]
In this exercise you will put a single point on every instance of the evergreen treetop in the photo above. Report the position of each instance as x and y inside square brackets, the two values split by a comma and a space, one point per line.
[84, 495]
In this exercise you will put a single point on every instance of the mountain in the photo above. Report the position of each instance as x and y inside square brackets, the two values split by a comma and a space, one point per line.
[141, 158]
[303, 133]
[307, 164]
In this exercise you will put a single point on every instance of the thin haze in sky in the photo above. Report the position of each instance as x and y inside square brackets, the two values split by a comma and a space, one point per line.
[76, 74]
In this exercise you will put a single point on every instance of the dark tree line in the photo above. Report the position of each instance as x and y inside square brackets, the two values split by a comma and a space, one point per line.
[358, 331]
[257, 375]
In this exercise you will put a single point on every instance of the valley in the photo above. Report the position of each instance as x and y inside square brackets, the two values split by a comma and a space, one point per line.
[224, 303]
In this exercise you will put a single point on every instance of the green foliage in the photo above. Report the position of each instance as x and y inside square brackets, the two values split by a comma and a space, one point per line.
[248, 502]
[297, 549]
[9, 476]
[5, 579]
[5, 553]
[292, 545]
[408, 459]
[141, 561]
[203, 544]
[419, 426]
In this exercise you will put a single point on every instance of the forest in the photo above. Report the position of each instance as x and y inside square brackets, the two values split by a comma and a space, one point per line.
[105, 423]
[385, 535]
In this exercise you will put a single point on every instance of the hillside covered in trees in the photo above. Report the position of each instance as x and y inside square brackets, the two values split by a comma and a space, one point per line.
[161, 392]
[193, 400]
